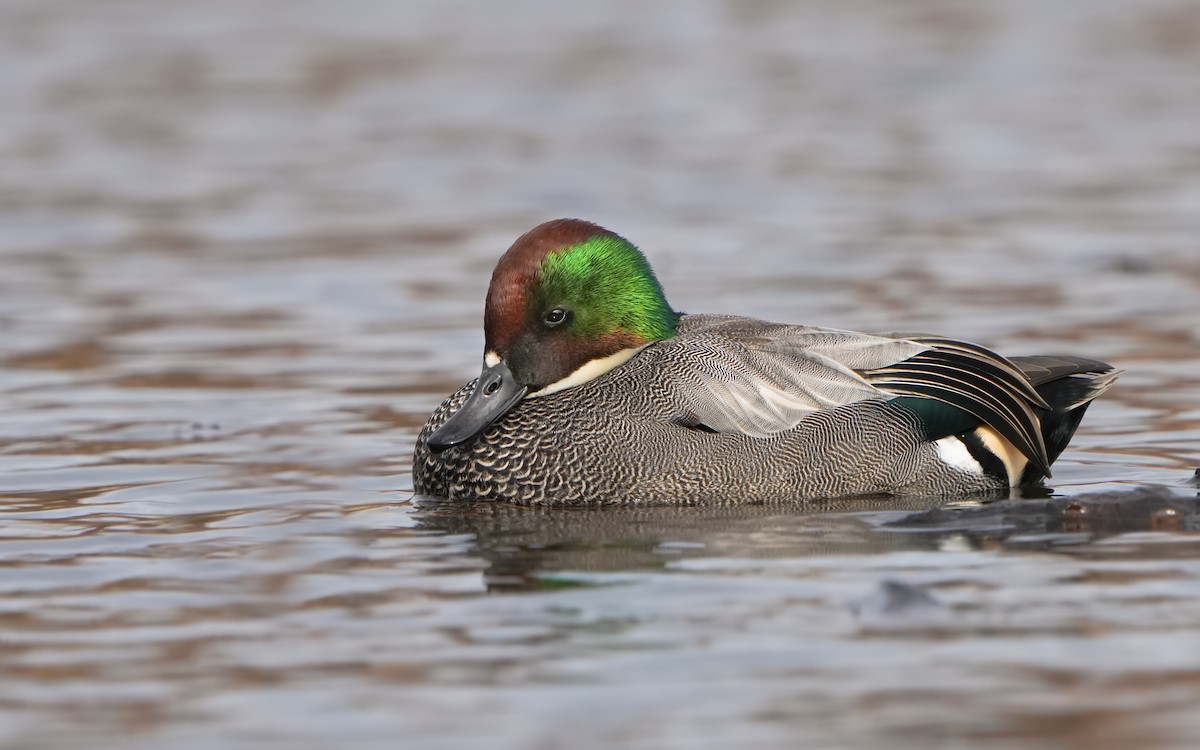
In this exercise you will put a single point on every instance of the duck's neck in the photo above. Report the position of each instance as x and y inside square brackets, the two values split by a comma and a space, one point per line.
[590, 370]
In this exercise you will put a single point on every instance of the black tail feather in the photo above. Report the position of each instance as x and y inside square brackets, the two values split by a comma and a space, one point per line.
[1068, 384]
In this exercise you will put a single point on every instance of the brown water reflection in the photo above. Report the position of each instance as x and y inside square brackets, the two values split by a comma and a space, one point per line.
[244, 248]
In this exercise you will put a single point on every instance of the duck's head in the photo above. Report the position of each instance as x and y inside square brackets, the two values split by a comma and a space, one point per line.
[569, 301]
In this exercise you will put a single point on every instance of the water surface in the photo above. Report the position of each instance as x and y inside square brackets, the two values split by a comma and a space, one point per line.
[244, 252]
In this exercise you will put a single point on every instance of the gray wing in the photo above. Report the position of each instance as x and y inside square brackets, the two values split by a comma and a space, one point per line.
[759, 379]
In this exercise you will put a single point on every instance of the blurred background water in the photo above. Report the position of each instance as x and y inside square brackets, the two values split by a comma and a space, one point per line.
[243, 252]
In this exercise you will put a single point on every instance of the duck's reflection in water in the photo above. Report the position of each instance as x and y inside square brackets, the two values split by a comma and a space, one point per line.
[527, 547]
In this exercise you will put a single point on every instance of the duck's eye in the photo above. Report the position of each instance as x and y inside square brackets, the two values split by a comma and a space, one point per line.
[555, 317]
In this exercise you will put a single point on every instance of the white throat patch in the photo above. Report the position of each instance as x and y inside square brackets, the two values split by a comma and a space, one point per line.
[589, 370]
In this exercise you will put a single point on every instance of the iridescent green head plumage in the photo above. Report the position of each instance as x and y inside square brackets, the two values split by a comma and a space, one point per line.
[569, 301]
[597, 282]
[609, 288]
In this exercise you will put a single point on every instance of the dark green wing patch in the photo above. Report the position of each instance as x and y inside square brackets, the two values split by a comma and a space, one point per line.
[939, 418]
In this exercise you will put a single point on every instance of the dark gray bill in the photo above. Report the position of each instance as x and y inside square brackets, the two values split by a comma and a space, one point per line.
[495, 393]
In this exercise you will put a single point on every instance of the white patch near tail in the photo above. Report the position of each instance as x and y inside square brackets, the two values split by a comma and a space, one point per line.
[953, 452]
